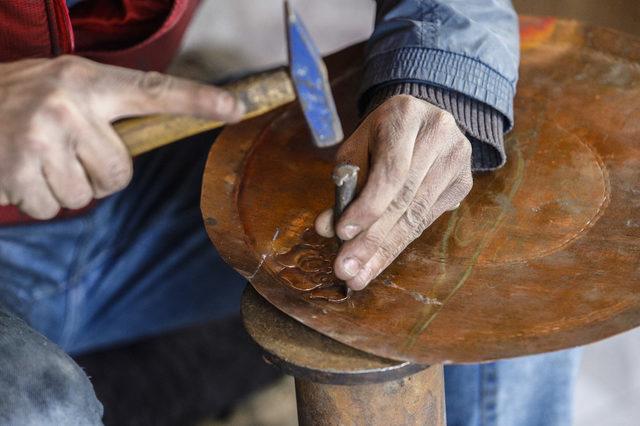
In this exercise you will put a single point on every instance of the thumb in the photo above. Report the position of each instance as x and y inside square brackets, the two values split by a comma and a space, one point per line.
[324, 224]
[131, 92]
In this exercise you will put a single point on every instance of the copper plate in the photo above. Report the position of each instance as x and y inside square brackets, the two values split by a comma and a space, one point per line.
[543, 254]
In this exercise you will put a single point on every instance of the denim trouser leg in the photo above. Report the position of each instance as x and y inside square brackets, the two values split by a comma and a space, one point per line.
[39, 384]
[534, 390]
[137, 265]
[141, 264]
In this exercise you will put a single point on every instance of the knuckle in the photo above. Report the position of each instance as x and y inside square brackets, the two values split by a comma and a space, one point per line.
[40, 209]
[404, 198]
[459, 158]
[453, 159]
[22, 176]
[48, 211]
[445, 118]
[70, 67]
[387, 251]
[78, 198]
[406, 104]
[35, 141]
[466, 184]
[154, 83]
[118, 174]
[418, 213]
[224, 102]
[56, 108]
[383, 130]
[458, 191]
[465, 148]
[391, 250]
[22, 171]
[395, 111]
[444, 127]
[414, 230]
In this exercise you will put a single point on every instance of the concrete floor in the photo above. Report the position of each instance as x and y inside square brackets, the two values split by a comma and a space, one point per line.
[234, 36]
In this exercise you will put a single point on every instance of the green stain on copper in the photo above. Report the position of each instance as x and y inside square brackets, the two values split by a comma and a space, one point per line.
[444, 246]
[430, 312]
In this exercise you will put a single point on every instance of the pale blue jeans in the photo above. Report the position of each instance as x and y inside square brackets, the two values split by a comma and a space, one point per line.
[141, 264]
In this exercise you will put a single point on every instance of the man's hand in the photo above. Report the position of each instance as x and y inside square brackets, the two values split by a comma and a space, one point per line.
[57, 147]
[420, 168]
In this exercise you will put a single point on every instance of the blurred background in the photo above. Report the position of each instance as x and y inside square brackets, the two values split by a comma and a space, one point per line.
[230, 38]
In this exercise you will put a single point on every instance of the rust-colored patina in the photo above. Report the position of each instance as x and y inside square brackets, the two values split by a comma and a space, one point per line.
[308, 355]
[413, 400]
[543, 254]
[338, 385]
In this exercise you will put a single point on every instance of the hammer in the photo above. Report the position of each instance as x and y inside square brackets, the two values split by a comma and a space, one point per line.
[260, 93]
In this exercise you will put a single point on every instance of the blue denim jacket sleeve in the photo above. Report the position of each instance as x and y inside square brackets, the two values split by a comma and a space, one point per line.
[468, 46]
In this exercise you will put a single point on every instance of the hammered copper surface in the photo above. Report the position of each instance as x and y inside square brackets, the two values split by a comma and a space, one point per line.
[542, 255]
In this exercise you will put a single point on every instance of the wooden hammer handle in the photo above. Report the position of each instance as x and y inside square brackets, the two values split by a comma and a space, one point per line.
[261, 93]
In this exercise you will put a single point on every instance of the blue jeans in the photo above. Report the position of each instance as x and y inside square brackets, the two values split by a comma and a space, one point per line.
[141, 264]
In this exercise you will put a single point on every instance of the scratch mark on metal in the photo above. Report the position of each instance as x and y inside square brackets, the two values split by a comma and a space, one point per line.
[264, 256]
[414, 294]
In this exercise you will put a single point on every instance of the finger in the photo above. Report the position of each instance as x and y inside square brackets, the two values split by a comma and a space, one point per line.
[4, 199]
[104, 157]
[390, 165]
[324, 224]
[405, 231]
[66, 178]
[355, 151]
[129, 92]
[33, 196]
[357, 252]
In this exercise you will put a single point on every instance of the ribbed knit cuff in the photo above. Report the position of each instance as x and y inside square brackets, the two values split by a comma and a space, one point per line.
[483, 125]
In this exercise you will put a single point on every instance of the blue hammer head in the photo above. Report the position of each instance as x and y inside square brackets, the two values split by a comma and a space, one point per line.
[310, 79]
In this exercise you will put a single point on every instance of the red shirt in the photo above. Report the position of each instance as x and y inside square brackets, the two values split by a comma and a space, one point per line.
[141, 34]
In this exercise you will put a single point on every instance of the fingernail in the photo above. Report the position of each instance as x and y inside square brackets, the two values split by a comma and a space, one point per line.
[351, 266]
[351, 231]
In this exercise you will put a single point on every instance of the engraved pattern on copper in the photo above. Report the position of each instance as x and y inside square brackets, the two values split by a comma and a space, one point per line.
[308, 267]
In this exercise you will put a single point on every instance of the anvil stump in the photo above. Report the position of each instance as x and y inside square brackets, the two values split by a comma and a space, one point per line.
[339, 385]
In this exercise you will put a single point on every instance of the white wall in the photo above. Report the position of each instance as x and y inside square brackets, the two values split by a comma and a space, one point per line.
[232, 36]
